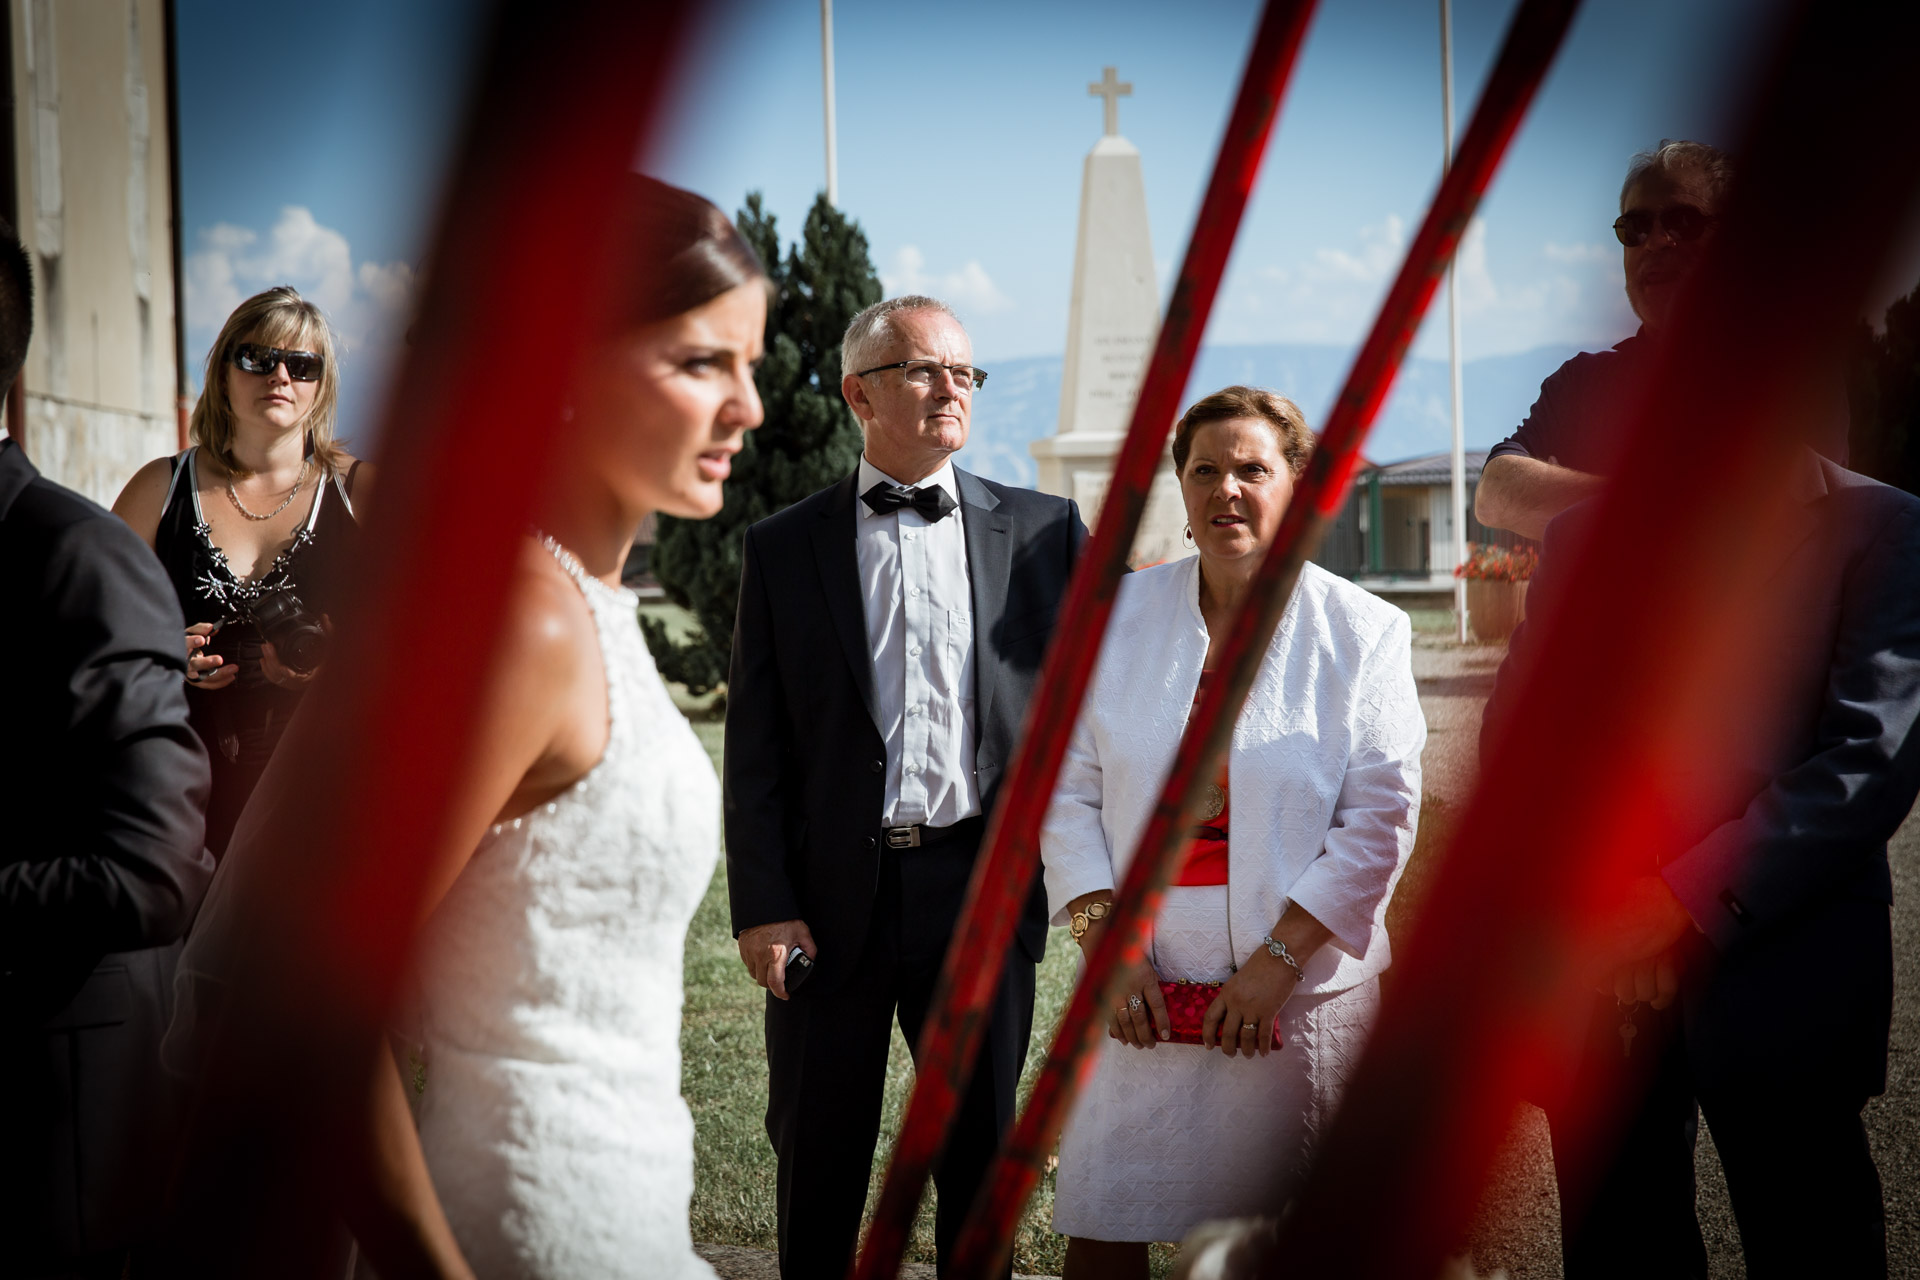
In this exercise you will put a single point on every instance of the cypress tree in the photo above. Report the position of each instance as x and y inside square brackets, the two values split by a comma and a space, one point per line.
[1885, 394]
[809, 439]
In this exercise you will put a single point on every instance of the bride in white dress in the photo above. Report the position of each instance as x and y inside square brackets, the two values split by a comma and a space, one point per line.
[550, 1124]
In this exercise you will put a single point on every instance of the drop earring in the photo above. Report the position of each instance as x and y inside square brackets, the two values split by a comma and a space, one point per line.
[1187, 533]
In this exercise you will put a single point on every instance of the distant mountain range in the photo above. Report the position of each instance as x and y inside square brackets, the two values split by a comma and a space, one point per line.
[1021, 402]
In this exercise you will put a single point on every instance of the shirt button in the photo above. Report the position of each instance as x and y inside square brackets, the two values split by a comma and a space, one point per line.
[878, 766]
[915, 593]
[913, 711]
[913, 768]
[907, 534]
[913, 651]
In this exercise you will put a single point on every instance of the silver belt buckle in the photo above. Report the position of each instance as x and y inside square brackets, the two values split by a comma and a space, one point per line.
[903, 837]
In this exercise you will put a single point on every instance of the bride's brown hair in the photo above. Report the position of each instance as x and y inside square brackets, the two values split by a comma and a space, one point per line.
[677, 251]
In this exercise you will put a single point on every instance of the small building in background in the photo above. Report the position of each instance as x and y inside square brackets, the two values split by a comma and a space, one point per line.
[1395, 534]
[88, 179]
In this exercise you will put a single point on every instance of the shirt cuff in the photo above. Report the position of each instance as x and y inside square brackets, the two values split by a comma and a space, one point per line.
[1703, 879]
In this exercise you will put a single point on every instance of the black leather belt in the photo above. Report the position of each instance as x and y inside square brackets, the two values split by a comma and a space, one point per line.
[918, 837]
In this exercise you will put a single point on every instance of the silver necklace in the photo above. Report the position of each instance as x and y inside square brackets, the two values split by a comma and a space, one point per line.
[241, 507]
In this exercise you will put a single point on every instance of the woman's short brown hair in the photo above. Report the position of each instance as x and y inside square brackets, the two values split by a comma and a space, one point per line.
[279, 317]
[1270, 407]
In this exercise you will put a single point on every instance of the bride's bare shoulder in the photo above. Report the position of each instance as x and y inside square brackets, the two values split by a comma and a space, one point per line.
[548, 627]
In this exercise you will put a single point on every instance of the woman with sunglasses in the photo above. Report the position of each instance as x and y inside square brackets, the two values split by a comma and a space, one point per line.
[245, 521]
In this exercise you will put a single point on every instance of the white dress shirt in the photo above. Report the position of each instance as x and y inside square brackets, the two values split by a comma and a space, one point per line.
[917, 594]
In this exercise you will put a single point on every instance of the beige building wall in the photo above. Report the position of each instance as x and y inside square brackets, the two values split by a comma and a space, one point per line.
[95, 212]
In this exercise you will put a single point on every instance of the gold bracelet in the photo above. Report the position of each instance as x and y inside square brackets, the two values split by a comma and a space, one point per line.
[1081, 921]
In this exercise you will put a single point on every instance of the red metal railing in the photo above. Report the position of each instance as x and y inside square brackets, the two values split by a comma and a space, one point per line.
[1531, 43]
[1010, 857]
[1645, 676]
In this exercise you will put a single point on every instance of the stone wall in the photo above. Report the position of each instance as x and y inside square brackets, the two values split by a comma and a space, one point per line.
[92, 166]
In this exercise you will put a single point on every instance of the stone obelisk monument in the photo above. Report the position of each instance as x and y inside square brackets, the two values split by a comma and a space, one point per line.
[1111, 323]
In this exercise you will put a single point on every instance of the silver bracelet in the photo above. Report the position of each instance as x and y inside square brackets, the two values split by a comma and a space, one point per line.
[1278, 950]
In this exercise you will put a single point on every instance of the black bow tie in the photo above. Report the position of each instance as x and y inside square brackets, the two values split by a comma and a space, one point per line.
[932, 502]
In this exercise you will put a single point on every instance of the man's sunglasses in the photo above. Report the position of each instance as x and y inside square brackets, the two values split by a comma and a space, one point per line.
[302, 366]
[1681, 221]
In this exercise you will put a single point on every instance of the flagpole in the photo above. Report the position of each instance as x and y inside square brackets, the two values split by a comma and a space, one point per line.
[1453, 336]
[826, 81]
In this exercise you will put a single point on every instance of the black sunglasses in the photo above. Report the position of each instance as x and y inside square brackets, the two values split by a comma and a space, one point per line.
[302, 366]
[1681, 221]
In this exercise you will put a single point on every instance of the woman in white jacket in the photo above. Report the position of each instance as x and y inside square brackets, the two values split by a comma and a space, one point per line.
[1283, 893]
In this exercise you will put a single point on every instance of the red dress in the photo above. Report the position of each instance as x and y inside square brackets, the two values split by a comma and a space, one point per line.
[1206, 860]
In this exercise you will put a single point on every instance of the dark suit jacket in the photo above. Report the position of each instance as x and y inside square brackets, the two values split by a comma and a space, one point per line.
[101, 863]
[1792, 976]
[805, 762]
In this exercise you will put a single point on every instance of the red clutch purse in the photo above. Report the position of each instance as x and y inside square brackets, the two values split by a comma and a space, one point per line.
[1187, 1005]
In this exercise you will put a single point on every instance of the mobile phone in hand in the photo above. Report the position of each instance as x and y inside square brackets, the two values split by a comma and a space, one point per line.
[799, 969]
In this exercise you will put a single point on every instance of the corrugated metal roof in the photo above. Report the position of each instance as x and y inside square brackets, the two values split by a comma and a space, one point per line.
[1433, 469]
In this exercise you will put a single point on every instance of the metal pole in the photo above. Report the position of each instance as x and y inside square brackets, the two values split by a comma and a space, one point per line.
[826, 88]
[1453, 335]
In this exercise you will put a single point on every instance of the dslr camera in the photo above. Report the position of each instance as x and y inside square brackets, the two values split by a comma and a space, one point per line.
[298, 639]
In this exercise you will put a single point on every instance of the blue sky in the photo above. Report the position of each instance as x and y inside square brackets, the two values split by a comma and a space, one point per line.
[961, 134]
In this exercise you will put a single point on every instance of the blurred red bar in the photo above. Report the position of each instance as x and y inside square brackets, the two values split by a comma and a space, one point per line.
[1602, 766]
[471, 433]
[1528, 52]
[1004, 874]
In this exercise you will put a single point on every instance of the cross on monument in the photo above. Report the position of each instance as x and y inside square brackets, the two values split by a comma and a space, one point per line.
[1112, 88]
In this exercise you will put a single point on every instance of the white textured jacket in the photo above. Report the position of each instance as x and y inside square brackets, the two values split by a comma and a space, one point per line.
[1324, 773]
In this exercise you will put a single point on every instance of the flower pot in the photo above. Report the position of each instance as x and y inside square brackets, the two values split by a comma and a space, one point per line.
[1495, 608]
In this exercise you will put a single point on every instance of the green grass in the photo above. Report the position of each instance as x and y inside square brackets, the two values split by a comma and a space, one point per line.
[724, 1071]
[724, 1078]
[1438, 621]
[680, 623]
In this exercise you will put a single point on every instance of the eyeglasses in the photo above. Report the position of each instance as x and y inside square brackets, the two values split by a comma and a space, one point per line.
[1681, 221]
[302, 366]
[924, 373]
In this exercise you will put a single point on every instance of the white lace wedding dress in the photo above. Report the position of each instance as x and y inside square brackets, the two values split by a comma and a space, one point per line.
[550, 1001]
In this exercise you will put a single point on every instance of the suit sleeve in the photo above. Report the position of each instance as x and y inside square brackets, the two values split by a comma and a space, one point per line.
[1811, 826]
[759, 890]
[1374, 818]
[1073, 837]
[124, 866]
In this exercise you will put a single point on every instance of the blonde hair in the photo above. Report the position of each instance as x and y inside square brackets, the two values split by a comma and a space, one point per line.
[1283, 415]
[279, 317]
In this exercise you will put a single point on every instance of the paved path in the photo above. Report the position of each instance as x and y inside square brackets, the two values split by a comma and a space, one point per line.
[1518, 1230]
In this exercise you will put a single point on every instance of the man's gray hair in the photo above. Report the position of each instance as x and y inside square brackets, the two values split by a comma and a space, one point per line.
[872, 328]
[1677, 155]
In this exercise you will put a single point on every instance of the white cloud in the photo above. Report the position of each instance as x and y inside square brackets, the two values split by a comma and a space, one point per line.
[1511, 299]
[1380, 253]
[969, 289]
[1575, 255]
[366, 304]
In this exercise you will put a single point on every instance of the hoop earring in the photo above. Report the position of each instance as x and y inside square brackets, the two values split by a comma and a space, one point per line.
[1187, 533]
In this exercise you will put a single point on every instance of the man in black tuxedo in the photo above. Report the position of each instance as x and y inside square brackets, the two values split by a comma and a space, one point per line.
[101, 860]
[890, 630]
